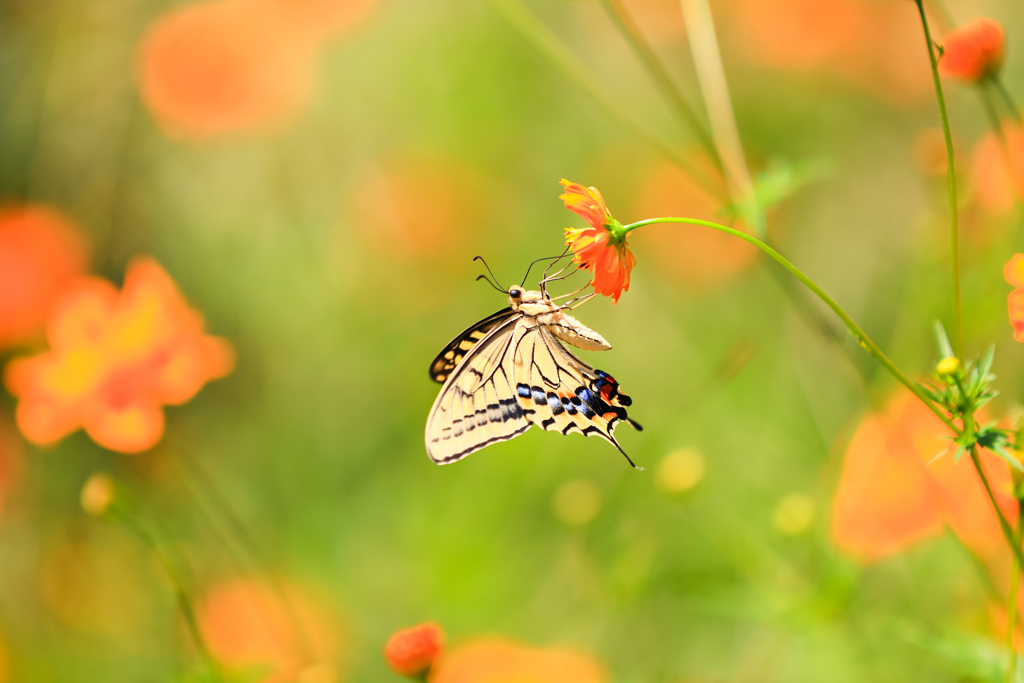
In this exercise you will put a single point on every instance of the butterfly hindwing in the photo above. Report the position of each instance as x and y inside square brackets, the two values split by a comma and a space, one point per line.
[564, 393]
[456, 350]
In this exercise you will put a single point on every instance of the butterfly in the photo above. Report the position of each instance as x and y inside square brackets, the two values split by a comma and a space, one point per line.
[511, 371]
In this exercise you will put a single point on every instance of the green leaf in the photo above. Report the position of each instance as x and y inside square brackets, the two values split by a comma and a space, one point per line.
[945, 349]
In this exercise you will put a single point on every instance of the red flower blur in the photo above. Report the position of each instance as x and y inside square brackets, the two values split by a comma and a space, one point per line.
[222, 67]
[973, 51]
[495, 660]
[115, 359]
[602, 247]
[248, 625]
[411, 652]
[893, 491]
[40, 250]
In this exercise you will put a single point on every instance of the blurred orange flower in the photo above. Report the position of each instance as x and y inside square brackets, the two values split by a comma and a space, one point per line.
[412, 651]
[226, 66]
[40, 250]
[874, 46]
[417, 205]
[602, 248]
[893, 489]
[319, 19]
[691, 254]
[1014, 274]
[495, 660]
[115, 359]
[973, 51]
[998, 169]
[247, 625]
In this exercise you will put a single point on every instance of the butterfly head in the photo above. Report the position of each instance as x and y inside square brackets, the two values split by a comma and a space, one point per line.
[524, 300]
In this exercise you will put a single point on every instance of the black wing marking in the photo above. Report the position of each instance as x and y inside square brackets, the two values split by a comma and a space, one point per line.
[456, 350]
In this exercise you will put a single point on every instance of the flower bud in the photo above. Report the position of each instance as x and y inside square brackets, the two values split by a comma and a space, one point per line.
[412, 651]
[97, 494]
[948, 367]
[974, 51]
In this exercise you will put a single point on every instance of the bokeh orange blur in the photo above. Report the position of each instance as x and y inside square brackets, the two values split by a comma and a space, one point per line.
[900, 483]
[250, 625]
[997, 169]
[225, 66]
[689, 254]
[874, 46]
[414, 206]
[496, 660]
[115, 359]
[40, 250]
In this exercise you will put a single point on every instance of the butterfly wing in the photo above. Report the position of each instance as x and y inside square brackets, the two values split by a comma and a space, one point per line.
[457, 348]
[477, 405]
[559, 392]
[519, 374]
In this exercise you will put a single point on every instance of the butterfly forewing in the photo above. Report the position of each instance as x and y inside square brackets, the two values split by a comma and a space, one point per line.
[477, 405]
[456, 350]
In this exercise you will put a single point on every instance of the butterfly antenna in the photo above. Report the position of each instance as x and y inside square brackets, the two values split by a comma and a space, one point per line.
[488, 281]
[546, 258]
[633, 464]
[495, 283]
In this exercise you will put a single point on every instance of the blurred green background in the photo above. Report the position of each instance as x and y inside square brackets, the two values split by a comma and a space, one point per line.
[334, 250]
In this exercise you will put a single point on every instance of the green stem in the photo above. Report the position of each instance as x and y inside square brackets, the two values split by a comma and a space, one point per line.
[1011, 605]
[954, 236]
[854, 328]
[565, 62]
[1003, 524]
[670, 91]
[998, 82]
[180, 592]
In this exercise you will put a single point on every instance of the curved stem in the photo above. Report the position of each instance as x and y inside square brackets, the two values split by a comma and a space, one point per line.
[954, 236]
[862, 337]
[1003, 524]
[1011, 604]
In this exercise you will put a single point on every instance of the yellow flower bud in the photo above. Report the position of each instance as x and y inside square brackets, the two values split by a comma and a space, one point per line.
[948, 366]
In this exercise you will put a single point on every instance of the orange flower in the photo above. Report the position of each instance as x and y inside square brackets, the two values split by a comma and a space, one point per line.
[998, 170]
[973, 51]
[602, 247]
[893, 491]
[494, 660]
[227, 66]
[40, 250]
[412, 651]
[246, 624]
[115, 359]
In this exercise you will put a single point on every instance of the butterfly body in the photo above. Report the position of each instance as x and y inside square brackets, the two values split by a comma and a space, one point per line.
[511, 371]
